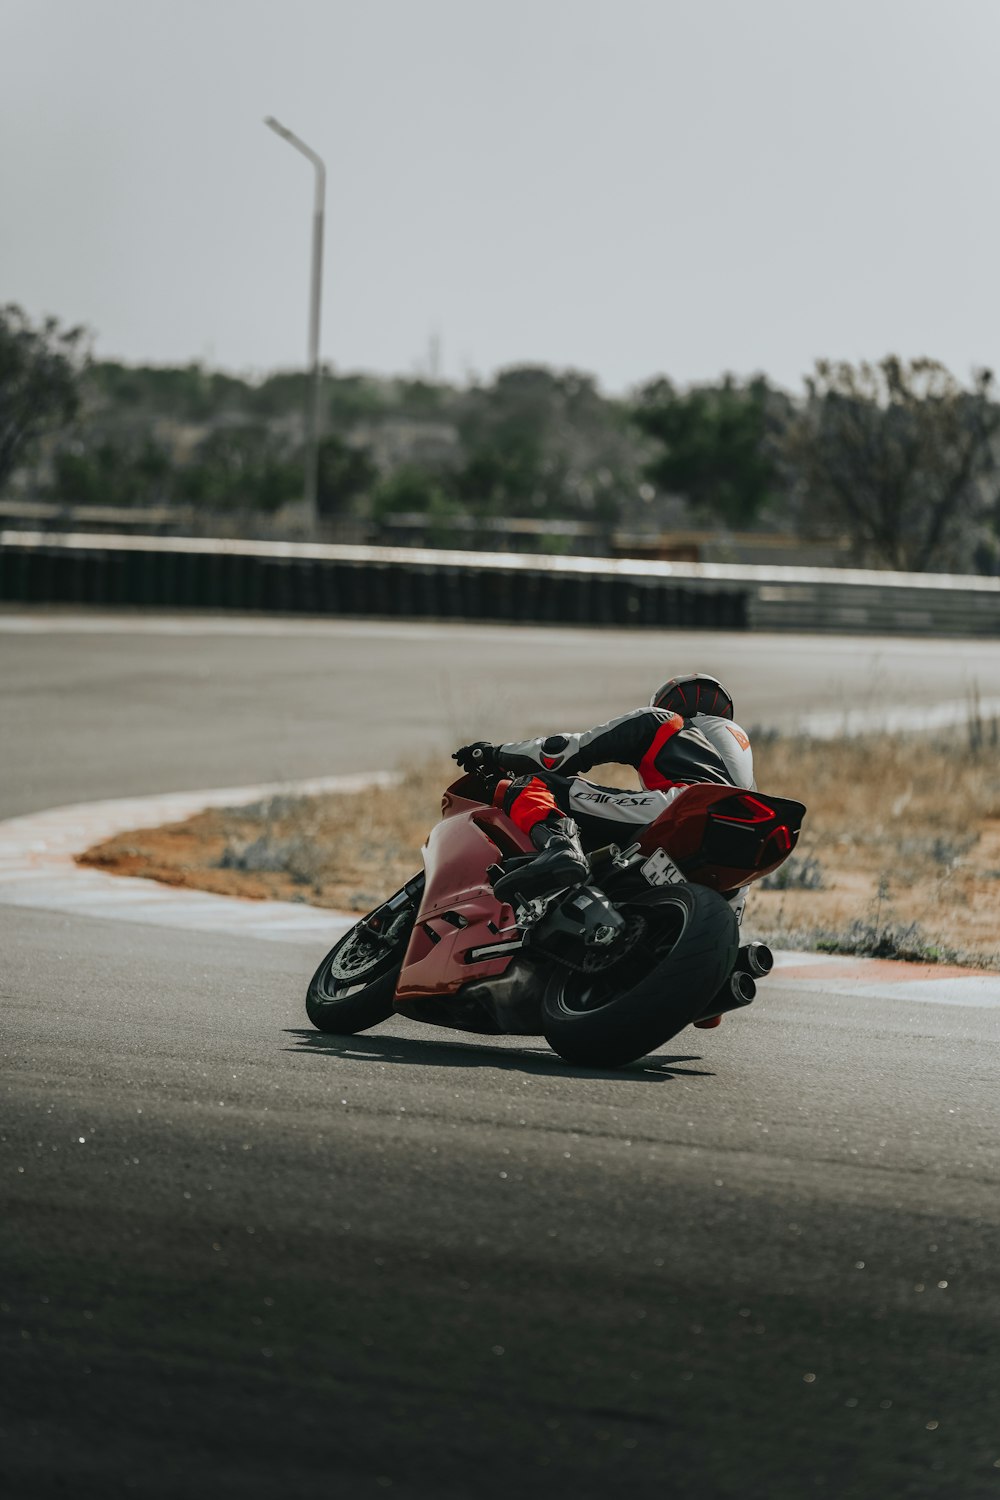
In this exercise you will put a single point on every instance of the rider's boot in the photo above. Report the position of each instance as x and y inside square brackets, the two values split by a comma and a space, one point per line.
[560, 862]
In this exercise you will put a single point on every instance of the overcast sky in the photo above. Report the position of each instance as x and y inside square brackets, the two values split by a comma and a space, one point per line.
[628, 187]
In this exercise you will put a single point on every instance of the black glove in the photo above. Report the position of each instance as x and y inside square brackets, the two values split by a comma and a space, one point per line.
[481, 757]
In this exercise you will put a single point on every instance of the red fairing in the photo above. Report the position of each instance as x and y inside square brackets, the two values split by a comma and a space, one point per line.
[459, 911]
[723, 837]
[680, 828]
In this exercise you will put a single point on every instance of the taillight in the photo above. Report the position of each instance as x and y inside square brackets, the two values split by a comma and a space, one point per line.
[743, 809]
[776, 846]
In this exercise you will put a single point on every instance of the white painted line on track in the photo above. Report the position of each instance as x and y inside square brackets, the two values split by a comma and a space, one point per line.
[924, 718]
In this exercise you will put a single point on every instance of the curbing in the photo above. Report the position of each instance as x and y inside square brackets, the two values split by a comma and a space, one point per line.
[38, 870]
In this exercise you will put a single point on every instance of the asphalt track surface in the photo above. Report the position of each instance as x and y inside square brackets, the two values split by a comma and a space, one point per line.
[239, 1258]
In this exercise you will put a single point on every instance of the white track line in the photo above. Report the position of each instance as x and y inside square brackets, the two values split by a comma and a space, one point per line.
[835, 723]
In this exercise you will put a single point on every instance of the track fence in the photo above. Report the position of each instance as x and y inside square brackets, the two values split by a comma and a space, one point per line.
[304, 578]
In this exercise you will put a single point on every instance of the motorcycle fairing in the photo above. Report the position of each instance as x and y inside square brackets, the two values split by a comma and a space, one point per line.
[724, 837]
[459, 913]
[720, 836]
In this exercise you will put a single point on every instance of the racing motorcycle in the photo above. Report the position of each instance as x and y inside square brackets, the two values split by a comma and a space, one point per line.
[606, 971]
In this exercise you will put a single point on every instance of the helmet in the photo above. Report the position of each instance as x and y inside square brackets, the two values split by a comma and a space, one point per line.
[694, 694]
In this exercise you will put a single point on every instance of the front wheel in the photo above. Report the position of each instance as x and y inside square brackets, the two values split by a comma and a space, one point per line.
[611, 1017]
[355, 985]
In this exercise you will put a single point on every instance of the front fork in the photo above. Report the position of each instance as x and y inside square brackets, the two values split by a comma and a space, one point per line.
[385, 923]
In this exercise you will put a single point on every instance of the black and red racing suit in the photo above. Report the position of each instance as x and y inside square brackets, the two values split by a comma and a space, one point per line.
[667, 751]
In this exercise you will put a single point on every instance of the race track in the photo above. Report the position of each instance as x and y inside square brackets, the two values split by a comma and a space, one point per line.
[239, 1258]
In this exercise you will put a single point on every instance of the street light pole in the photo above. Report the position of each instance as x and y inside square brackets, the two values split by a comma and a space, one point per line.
[316, 288]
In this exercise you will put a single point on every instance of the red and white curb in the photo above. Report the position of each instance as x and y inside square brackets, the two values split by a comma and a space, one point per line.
[38, 871]
[885, 979]
[37, 867]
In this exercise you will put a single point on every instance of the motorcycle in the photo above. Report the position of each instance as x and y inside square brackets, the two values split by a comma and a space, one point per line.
[606, 971]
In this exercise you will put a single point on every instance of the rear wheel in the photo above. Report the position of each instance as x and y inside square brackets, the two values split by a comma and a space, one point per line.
[611, 1017]
[355, 985]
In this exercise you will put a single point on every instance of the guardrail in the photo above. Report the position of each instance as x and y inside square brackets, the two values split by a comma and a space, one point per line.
[302, 577]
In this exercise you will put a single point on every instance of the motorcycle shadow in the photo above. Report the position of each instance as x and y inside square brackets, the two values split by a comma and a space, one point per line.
[371, 1047]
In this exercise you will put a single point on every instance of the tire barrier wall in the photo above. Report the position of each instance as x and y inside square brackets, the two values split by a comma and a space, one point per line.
[290, 577]
[322, 581]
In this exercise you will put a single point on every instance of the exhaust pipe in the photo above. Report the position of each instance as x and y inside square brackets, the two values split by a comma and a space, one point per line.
[756, 959]
[739, 990]
[742, 988]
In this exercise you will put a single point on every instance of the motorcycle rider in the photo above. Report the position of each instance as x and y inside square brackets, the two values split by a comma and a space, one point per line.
[687, 734]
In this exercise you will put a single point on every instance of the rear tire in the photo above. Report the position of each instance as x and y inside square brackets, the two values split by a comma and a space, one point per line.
[690, 952]
[355, 985]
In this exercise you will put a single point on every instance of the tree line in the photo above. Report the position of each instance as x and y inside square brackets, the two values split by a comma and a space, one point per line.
[897, 456]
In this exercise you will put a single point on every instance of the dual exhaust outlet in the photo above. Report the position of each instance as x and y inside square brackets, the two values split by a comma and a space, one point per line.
[753, 961]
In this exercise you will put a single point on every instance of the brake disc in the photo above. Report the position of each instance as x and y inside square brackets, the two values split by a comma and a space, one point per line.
[356, 957]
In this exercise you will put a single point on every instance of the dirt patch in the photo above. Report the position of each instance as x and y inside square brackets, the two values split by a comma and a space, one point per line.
[345, 850]
[900, 850]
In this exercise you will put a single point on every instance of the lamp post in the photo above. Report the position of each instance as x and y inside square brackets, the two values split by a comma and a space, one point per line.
[312, 403]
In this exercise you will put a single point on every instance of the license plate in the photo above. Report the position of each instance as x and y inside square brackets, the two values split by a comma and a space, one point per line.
[659, 869]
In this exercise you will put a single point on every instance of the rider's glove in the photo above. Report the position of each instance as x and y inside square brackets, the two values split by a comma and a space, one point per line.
[480, 756]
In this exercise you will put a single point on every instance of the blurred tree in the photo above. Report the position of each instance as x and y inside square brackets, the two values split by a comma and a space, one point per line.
[422, 397]
[411, 490]
[241, 468]
[540, 442]
[187, 393]
[509, 479]
[107, 472]
[714, 443]
[353, 398]
[345, 473]
[39, 381]
[505, 469]
[899, 455]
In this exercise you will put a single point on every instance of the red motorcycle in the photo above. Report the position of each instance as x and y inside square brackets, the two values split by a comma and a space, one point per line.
[606, 971]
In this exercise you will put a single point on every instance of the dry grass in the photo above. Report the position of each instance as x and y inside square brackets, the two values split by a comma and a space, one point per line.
[900, 851]
[904, 835]
[346, 850]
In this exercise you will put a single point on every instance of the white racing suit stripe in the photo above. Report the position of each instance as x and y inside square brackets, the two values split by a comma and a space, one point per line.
[635, 808]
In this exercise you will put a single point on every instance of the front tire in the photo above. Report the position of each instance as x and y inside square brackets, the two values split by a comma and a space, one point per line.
[611, 1018]
[355, 985]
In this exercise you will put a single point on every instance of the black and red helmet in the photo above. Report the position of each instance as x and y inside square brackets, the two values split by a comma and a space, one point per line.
[694, 694]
